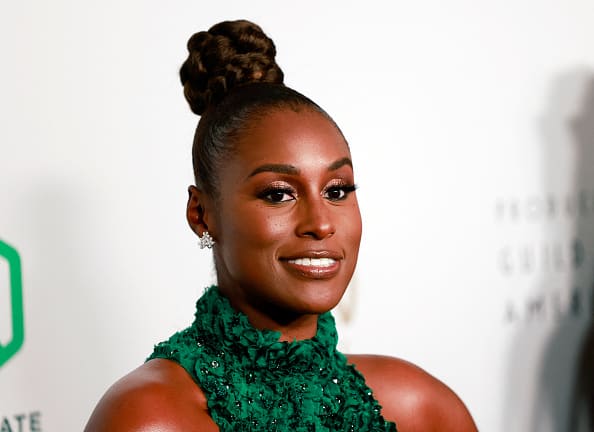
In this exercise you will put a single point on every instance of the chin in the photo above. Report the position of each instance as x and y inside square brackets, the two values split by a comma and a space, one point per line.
[321, 299]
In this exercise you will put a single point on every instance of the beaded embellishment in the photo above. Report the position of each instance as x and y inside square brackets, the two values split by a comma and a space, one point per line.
[254, 382]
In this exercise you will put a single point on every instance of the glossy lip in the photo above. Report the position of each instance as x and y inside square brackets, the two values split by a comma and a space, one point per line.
[312, 272]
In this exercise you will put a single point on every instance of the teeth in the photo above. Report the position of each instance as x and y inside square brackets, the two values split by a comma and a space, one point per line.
[313, 262]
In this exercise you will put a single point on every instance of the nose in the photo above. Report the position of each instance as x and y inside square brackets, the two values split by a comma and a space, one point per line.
[316, 219]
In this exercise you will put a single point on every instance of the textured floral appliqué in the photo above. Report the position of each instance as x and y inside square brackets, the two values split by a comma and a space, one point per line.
[254, 382]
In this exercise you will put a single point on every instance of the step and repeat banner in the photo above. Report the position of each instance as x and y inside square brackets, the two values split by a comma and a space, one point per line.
[472, 131]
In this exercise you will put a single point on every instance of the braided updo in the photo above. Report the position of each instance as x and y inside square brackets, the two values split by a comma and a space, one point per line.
[230, 54]
[230, 79]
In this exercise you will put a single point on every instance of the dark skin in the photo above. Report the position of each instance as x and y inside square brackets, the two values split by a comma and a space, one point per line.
[286, 195]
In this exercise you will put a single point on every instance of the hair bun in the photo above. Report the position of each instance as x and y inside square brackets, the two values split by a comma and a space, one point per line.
[230, 54]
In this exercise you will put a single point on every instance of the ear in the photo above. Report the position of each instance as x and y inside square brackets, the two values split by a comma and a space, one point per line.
[199, 212]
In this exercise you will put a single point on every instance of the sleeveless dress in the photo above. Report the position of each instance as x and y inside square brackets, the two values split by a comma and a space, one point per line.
[254, 382]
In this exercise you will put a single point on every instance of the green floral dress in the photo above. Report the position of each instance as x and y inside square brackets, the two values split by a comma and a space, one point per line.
[254, 382]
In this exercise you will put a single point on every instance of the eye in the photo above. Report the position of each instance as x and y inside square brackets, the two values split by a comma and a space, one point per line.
[338, 193]
[277, 195]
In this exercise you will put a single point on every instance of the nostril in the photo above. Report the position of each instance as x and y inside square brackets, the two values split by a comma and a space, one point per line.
[319, 232]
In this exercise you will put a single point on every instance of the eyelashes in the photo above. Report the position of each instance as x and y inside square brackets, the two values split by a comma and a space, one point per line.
[277, 194]
[339, 193]
[283, 192]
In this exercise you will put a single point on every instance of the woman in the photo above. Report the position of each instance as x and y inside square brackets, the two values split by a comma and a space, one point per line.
[275, 199]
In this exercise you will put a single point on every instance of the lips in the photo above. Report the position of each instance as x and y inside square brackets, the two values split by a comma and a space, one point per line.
[314, 264]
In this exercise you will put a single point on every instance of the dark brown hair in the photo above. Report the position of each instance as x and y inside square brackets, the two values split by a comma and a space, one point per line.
[231, 79]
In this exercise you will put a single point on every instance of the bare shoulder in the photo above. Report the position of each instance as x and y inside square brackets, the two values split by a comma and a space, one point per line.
[159, 396]
[412, 398]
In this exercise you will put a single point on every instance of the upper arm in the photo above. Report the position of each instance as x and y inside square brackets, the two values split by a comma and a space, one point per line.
[151, 399]
[413, 399]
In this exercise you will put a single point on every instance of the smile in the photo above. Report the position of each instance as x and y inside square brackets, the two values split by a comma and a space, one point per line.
[313, 262]
[314, 267]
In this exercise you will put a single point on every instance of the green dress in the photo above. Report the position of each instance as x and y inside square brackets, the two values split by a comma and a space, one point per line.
[254, 382]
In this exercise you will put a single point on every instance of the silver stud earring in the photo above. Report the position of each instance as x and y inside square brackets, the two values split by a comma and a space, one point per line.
[206, 241]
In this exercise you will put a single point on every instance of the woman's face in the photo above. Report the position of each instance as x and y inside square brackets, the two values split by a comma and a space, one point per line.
[286, 223]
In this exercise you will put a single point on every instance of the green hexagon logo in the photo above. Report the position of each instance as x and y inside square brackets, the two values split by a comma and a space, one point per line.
[15, 285]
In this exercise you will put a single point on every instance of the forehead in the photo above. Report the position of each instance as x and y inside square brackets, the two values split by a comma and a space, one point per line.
[299, 138]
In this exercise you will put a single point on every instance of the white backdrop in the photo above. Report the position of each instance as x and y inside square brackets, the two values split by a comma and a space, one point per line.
[470, 124]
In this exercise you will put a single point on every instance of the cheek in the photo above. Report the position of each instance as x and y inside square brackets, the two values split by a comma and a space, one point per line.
[255, 229]
[250, 245]
[273, 227]
[264, 229]
[352, 225]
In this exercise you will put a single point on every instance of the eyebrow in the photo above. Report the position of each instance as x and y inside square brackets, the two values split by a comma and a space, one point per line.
[340, 163]
[292, 170]
[275, 168]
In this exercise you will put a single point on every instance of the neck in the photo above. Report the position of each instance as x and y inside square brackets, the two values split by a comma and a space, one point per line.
[300, 328]
[291, 325]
